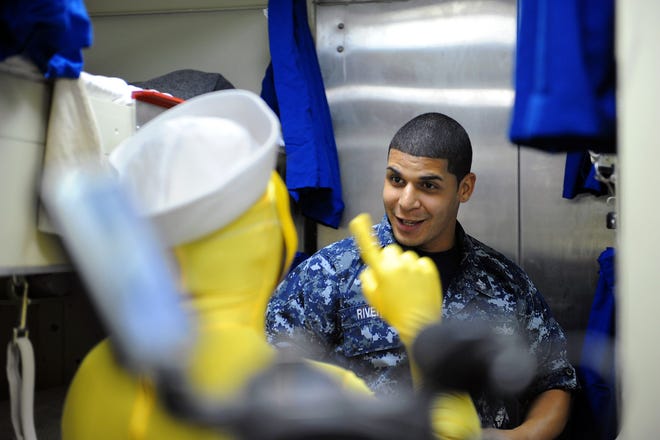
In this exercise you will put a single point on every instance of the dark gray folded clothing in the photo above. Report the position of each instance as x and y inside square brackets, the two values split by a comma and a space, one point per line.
[186, 83]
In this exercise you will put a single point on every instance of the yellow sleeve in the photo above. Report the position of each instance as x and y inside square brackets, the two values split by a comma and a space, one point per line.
[346, 378]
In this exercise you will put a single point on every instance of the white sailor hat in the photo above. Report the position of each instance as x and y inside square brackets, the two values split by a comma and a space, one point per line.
[199, 165]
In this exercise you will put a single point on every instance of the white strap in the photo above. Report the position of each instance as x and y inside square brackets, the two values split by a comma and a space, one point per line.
[14, 377]
[20, 373]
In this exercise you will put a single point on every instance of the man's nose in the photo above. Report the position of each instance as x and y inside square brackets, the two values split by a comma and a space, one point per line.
[408, 198]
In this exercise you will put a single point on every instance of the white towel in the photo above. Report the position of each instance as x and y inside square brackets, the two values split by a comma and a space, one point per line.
[73, 133]
[109, 88]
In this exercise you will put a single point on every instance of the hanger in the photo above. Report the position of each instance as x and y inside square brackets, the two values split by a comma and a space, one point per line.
[605, 172]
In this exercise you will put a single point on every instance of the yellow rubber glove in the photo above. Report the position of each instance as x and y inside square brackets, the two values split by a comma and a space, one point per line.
[454, 417]
[403, 288]
[406, 292]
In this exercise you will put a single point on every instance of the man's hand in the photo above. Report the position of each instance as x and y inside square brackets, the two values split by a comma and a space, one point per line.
[403, 288]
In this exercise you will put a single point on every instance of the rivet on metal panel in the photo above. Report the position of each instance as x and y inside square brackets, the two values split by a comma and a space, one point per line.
[340, 48]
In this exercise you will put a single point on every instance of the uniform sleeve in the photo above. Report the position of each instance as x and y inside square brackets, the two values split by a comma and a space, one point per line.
[548, 344]
[301, 315]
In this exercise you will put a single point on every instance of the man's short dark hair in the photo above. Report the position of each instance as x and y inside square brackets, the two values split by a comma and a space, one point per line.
[436, 136]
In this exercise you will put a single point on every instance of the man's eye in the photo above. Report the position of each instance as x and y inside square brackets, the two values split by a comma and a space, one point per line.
[395, 179]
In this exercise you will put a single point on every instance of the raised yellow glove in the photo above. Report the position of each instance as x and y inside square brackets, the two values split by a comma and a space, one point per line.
[454, 417]
[406, 292]
[403, 288]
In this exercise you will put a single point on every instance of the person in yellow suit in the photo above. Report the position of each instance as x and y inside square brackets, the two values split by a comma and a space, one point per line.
[202, 173]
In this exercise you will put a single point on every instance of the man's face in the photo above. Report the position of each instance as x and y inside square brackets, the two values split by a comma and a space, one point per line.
[421, 200]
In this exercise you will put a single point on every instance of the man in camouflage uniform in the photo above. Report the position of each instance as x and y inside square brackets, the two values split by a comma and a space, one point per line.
[320, 304]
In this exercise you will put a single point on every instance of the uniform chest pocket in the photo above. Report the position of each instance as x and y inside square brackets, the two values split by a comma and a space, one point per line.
[366, 332]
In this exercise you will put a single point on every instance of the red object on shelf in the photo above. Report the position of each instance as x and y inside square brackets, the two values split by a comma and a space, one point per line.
[156, 98]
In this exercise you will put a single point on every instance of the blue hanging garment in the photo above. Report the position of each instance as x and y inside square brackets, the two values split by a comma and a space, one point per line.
[565, 76]
[293, 87]
[598, 401]
[580, 176]
[51, 34]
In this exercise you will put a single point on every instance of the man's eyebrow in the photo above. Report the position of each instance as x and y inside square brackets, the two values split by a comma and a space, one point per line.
[425, 178]
[429, 177]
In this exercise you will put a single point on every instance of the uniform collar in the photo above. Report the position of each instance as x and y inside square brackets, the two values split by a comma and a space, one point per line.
[472, 273]
[475, 281]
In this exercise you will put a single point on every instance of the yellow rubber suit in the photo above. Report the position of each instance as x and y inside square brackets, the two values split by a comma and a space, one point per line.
[406, 291]
[229, 276]
[208, 150]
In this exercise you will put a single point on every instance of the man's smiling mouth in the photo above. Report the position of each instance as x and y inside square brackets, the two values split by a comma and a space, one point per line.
[409, 222]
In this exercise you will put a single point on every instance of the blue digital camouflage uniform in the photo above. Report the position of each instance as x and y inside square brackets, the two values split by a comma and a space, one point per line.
[321, 303]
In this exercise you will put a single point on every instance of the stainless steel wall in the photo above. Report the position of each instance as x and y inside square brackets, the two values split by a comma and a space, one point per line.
[385, 62]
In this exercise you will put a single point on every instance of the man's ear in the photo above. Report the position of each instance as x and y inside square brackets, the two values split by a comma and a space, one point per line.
[466, 187]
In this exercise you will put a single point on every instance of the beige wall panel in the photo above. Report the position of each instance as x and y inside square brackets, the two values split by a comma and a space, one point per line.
[639, 257]
[138, 47]
[24, 106]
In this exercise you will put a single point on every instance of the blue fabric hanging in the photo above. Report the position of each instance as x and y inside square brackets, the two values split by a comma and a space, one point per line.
[293, 87]
[51, 33]
[598, 402]
[565, 76]
[580, 176]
